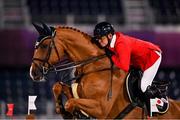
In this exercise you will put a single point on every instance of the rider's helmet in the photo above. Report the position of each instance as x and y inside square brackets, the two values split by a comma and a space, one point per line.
[103, 29]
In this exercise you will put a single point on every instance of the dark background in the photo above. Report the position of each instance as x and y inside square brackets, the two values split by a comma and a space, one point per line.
[157, 21]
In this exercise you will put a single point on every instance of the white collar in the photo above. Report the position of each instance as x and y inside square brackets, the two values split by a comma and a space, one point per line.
[113, 41]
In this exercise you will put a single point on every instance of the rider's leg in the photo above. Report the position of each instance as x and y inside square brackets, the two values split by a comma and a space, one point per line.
[150, 73]
[151, 91]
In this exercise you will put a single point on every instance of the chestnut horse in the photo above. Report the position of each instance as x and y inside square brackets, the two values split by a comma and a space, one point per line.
[95, 80]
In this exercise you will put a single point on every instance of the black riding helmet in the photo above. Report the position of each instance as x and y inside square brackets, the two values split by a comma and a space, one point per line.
[103, 29]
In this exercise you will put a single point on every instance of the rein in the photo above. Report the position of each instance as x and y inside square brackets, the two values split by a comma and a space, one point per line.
[75, 64]
[71, 65]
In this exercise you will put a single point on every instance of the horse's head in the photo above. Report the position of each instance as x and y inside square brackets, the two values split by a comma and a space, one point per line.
[54, 43]
[46, 53]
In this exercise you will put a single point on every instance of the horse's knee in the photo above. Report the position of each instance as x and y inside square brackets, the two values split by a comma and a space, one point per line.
[57, 88]
[69, 105]
[67, 91]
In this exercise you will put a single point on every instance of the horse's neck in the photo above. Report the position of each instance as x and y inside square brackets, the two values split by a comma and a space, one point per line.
[79, 54]
[78, 46]
[83, 51]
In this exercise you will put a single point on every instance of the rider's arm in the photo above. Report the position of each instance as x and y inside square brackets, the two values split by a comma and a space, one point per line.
[122, 57]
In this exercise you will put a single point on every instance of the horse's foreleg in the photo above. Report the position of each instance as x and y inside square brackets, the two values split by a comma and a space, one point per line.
[90, 106]
[57, 89]
[67, 91]
[99, 107]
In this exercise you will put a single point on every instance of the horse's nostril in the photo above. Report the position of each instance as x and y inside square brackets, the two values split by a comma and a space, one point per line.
[34, 73]
[37, 73]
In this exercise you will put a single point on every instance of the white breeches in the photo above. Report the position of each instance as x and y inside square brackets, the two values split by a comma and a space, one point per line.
[149, 74]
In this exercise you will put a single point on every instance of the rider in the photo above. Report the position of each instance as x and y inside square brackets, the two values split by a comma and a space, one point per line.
[129, 51]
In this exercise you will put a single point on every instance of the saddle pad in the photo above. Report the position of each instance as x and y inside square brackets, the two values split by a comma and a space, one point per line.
[74, 90]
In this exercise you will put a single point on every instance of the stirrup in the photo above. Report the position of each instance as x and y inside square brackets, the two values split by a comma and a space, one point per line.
[164, 108]
[159, 105]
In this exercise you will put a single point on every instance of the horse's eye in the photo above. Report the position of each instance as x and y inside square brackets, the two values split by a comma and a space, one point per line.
[44, 46]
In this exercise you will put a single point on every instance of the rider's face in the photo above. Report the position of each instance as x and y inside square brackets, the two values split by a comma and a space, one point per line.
[103, 41]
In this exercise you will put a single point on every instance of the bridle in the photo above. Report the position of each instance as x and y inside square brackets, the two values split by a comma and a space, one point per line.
[51, 68]
[43, 68]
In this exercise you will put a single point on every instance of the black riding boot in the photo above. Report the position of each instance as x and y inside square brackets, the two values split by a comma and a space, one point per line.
[152, 92]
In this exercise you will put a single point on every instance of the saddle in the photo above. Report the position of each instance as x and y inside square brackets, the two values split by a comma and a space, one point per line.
[143, 100]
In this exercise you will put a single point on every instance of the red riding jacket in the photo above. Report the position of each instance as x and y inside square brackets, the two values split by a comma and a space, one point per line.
[132, 51]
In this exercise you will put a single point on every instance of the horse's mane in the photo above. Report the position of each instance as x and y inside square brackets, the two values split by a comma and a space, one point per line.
[75, 29]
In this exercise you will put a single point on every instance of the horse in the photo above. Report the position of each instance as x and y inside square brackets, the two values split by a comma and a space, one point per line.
[101, 94]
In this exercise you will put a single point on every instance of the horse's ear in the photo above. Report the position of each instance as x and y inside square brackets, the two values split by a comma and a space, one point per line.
[47, 29]
[39, 29]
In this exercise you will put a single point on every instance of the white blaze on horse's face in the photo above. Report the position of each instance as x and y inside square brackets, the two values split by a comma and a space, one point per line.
[30, 73]
[37, 44]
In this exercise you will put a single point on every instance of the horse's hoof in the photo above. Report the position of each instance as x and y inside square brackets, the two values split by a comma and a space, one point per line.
[58, 110]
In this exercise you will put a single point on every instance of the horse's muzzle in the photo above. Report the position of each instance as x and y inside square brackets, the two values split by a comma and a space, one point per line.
[37, 75]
